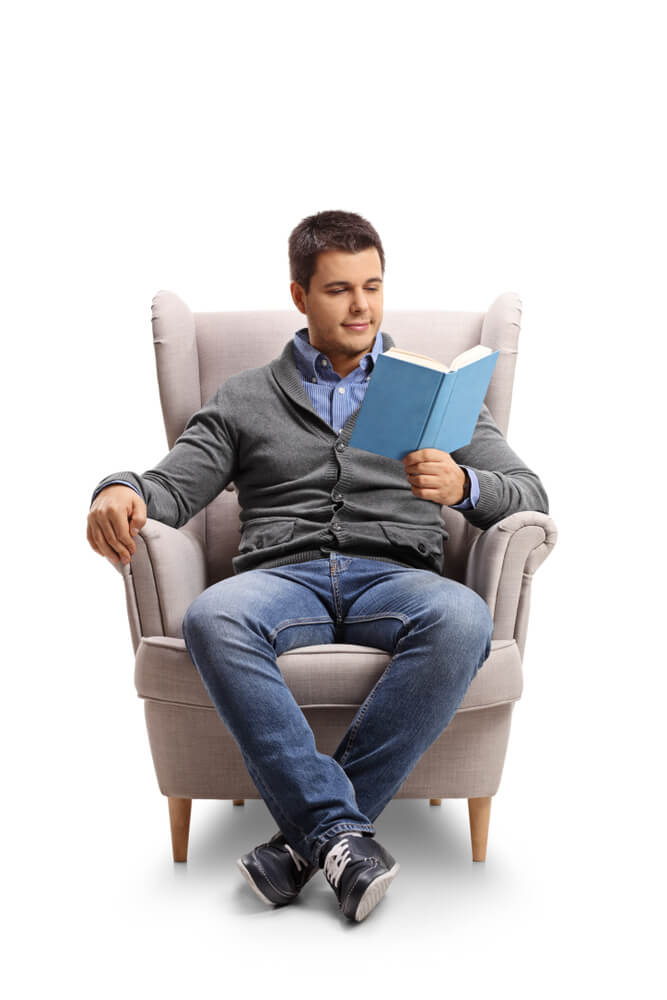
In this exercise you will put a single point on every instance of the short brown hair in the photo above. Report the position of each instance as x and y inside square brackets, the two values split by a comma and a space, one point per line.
[332, 230]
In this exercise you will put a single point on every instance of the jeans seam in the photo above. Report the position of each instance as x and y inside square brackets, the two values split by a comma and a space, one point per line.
[297, 621]
[265, 794]
[336, 592]
[353, 732]
[376, 618]
[327, 620]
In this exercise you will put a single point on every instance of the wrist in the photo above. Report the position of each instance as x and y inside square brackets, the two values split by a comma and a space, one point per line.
[466, 486]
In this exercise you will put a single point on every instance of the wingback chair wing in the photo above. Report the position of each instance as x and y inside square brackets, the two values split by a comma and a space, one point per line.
[194, 755]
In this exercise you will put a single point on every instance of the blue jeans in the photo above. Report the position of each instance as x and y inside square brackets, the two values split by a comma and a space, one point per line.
[438, 632]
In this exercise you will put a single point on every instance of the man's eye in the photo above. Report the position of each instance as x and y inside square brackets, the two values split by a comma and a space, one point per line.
[337, 291]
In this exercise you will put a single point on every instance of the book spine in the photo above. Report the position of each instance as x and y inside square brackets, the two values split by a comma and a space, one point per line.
[438, 411]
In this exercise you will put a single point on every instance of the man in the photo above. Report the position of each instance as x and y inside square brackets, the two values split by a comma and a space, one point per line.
[338, 545]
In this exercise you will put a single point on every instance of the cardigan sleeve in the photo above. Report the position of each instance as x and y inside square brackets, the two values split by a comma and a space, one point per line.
[197, 468]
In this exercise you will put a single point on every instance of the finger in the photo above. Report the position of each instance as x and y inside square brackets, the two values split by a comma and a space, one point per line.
[121, 527]
[427, 494]
[425, 455]
[101, 544]
[430, 484]
[426, 468]
[112, 540]
[138, 516]
[437, 475]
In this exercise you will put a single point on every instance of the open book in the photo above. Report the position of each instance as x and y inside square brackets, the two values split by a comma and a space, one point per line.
[413, 401]
[465, 358]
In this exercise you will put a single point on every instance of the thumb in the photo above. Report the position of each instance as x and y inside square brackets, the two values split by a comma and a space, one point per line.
[137, 515]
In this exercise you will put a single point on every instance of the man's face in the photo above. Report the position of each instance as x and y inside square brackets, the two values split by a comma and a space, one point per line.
[345, 290]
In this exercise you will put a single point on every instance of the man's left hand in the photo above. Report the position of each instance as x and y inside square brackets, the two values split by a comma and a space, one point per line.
[434, 475]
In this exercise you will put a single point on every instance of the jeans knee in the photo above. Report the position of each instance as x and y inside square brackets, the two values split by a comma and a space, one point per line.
[480, 621]
[489, 625]
[468, 618]
[195, 618]
[218, 615]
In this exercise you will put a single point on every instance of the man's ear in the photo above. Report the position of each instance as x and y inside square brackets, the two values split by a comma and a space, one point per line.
[298, 296]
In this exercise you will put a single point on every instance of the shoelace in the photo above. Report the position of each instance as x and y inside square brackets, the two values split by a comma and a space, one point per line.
[296, 858]
[336, 861]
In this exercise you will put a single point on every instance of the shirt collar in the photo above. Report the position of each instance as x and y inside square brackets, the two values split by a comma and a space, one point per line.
[308, 359]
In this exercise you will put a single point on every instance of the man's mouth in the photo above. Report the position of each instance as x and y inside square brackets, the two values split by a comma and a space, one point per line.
[356, 326]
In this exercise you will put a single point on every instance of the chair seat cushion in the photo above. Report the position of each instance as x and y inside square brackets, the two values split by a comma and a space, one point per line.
[338, 675]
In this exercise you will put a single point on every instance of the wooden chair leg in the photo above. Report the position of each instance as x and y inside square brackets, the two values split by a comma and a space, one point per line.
[479, 811]
[179, 818]
[238, 802]
[435, 802]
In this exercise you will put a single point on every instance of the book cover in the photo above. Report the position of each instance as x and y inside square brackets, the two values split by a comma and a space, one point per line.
[408, 406]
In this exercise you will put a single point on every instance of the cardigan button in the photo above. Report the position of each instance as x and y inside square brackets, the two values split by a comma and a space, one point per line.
[421, 547]
[340, 446]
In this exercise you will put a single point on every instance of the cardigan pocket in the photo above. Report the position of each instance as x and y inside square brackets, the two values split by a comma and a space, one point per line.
[264, 532]
[423, 542]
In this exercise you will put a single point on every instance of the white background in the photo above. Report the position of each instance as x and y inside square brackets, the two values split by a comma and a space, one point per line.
[495, 147]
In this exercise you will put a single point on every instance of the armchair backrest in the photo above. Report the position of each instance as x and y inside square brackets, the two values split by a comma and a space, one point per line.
[196, 352]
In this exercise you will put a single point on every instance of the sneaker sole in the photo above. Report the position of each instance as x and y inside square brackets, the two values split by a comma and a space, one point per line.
[375, 892]
[246, 874]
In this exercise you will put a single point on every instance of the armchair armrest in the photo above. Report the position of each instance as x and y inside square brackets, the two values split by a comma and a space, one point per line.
[500, 568]
[165, 574]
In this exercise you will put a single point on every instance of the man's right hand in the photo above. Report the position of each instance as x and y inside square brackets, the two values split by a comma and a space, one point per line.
[118, 513]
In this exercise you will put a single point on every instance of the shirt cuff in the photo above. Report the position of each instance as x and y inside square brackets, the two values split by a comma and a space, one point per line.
[121, 482]
[471, 501]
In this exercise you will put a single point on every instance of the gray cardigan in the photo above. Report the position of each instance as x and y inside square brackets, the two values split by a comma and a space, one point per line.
[304, 492]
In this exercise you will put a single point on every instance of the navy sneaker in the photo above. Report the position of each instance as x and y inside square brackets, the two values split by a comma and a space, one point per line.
[360, 871]
[275, 871]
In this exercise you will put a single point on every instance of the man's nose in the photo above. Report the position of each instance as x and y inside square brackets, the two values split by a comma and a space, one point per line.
[360, 301]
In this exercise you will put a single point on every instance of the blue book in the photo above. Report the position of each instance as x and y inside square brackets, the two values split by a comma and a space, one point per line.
[416, 402]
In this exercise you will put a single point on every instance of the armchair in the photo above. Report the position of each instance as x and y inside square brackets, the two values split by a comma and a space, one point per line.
[193, 753]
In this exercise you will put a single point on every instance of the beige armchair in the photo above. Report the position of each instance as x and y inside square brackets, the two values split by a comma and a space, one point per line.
[194, 755]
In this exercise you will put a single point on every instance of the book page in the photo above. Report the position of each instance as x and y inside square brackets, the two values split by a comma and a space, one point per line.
[467, 357]
[416, 359]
